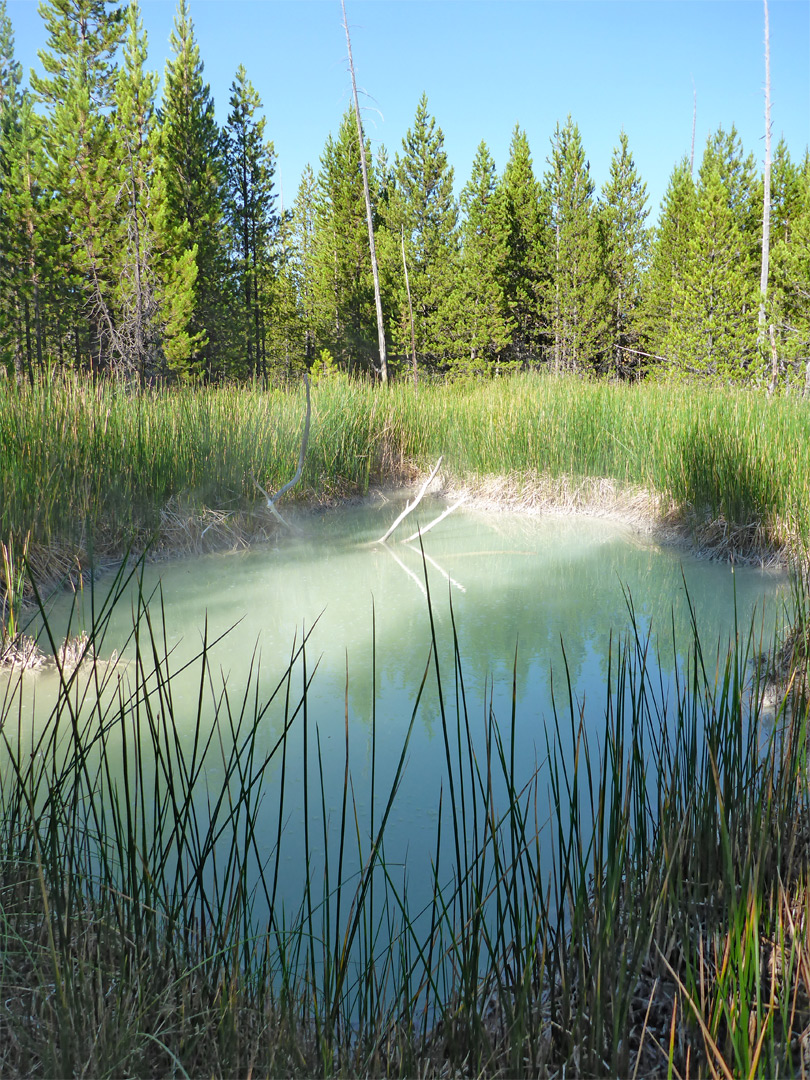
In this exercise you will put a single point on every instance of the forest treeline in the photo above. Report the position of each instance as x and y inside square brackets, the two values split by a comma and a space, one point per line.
[138, 237]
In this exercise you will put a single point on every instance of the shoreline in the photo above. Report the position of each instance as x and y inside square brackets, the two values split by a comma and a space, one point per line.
[647, 512]
[185, 530]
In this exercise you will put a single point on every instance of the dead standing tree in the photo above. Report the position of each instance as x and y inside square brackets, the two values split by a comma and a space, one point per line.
[369, 216]
[766, 213]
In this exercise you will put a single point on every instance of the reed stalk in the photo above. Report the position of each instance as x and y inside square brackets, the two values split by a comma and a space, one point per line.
[637, 908]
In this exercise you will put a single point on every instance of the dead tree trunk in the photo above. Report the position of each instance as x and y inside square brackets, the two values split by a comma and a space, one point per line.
[369, 217]
[766, 211]
[410, 313]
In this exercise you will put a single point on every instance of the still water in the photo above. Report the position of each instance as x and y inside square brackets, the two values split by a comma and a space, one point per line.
[529, 596]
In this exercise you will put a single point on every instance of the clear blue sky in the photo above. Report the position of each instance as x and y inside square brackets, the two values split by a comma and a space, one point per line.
[487, 66]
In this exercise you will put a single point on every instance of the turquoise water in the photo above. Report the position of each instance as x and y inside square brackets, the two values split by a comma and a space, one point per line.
[539, 599]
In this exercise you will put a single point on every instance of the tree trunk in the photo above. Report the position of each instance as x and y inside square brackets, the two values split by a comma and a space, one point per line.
[410, 312]
[369, 217]
[766, 207]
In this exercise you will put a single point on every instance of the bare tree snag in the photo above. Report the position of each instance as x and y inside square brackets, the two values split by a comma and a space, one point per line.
[410, 507]
[369, 217]
[410, 311]
[273, 499]
[766, 209]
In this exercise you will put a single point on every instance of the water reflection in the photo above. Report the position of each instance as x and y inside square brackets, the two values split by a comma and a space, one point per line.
[513, 586]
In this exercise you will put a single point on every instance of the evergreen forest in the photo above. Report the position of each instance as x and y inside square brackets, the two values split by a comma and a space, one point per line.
[138, 238]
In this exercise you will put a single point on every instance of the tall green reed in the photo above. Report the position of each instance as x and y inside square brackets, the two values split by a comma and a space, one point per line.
[81, 463]
[656, 872]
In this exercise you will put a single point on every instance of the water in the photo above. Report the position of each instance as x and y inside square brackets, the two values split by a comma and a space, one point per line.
[519, 589]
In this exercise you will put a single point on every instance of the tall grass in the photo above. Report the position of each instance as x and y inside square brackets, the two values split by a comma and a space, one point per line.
[82, 464]
[143, 933]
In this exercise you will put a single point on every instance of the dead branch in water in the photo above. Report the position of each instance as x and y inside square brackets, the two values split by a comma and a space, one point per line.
[410, 507]
[273, 499]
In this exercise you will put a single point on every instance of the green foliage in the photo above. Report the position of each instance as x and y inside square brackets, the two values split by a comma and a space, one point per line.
[342, 287]
[422, 209]
[576, 299]
[143, 241]
[622, 216]
[77, 92]
[253, 223]
[714, 303]
[790, 266]
[324, 367]
[482, 321]
[194, 173]
[520, 230]
[668, 262]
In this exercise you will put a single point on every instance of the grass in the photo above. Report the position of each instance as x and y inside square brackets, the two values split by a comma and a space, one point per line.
[668, 938]
[97, 468]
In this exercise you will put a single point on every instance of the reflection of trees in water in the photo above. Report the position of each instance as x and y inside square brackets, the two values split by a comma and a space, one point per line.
[533, 583]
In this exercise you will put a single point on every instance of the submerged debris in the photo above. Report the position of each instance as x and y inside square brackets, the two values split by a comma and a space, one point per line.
[21, 652]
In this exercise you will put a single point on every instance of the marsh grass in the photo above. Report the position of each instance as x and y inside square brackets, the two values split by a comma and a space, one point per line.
[91, 470]
[638, 907]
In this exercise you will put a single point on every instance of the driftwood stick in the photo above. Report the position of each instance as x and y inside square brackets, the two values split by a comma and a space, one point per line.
[271, 506]
[301, 456]
[273, 499]
[410, 507]
[441, 517]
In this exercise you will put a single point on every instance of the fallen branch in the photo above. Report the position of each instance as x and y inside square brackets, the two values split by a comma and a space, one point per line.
[441, 517]
[410, 507]
[273, 499]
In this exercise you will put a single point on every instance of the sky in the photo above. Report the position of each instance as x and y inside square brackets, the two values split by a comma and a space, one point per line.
[487, 65]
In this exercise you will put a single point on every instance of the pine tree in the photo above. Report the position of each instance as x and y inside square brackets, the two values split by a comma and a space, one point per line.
[622, 215]
[743, 187]
[786, 193]
[253, 223]
[576, 291]
[790, 293]
[301, 263]
[519, 209]
[12, 232]
[193, 168]
[715, 301]
[10, 67]
[343, 288]
[482, 318]
[423, 212]
[77, 92]
[286, 345]
[669, 252]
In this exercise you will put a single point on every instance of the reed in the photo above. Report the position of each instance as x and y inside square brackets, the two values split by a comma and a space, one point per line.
[637, 908]
[92, 468]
